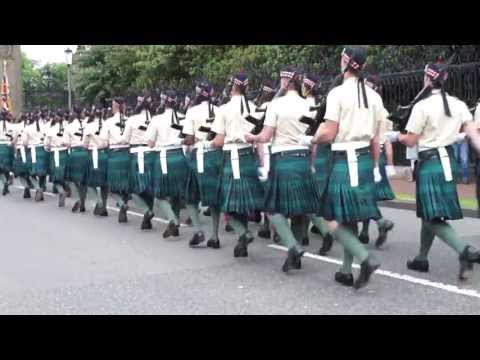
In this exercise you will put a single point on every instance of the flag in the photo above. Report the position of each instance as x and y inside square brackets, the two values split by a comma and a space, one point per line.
[6, 101]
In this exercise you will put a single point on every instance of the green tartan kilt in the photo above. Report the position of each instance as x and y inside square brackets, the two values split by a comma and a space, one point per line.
[244, 195]
[291, 188]
[347, 204]
[140, 183]
[437, 198]
[40, 168]
[118, 170]
[383, 190]
[97, 177]
[174, 183]
[57, 174]
[322, 164]
[6, 157]
[203, 187]
[19, 167]
[77, 165]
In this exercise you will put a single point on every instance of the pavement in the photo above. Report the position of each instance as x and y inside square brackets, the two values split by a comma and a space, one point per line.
[56, 262]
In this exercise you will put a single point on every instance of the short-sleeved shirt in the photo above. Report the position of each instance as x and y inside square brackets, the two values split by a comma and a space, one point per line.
[284, 114]
[196, 117]
[355, 121]
[230, 122]
[31, 136]
[384, 126]
[90, 134]
[111, 133]
[436, 129]
[52, 139]
[9, 130]
[75, 127]
[477, 116]
[160, 130]
[133, 134]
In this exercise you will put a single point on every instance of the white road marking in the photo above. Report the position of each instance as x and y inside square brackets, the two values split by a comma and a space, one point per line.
[446, 287]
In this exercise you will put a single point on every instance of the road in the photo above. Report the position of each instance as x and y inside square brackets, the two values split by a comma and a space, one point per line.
[56, 262]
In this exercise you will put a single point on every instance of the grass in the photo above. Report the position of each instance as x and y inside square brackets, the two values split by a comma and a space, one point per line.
[470, 204]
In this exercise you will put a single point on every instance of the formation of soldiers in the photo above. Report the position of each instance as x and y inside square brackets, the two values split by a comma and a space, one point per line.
[291, 154]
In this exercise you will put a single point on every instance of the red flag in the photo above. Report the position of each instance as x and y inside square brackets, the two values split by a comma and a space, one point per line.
[6, 101]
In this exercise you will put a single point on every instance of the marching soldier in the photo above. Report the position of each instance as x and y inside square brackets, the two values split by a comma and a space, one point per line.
[291, 191]
[97, 161]
[20, 166]
[240, 190]
[170, 167]
[7, 137]
[118, 169]
[435, 124]
[352, 118]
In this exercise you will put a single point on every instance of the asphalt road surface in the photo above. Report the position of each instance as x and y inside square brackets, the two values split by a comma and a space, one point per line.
[56, 262]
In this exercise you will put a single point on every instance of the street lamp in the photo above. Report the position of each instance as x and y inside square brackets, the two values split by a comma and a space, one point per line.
[69, 55]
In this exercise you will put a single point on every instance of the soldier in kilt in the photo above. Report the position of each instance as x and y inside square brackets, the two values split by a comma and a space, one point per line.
[37, 156]
[383, 190]
[477, 123]
[352, 118]
[435, 124]
[56, 143]
[7, 136]
[170, 167]
[141, 160]
[77, 165]
[118, 168]
[97, 161]
[239, 189]
[205, 165]
[20, 166]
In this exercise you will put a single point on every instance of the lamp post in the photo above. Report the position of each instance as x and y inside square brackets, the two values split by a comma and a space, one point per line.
[69, 55]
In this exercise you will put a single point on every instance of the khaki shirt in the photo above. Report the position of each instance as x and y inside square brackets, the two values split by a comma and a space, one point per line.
[75, 127]
[33, 137]
[356, 123]
[477, 116]
[111, 133]
[428, 120]
[284, 114]
[195, 118]
[160, 130]
[230, 122]
[53, 140]
[385, 125]
[133, 134]
[10, 130]
[91, 138]
[18, 130]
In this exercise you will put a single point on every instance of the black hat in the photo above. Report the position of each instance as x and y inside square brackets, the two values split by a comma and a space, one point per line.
[311, 80]
[268, 86]
[355, 57]
[437, 72]
[289, 72]
[240, 79]
[119, 100]
[171, 97]
[373, 81]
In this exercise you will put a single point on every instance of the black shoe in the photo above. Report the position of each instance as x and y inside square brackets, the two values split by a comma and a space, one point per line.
[96, 209]
[467, 259]
[344, 279]
[5, 190]
[256, 217]
[102, 211]
[367, 268]
[315, 230]
[197, 239]
[207, 212]
[276, 239]
[39, 195]
[82, 208]
[293, 260]
[364, 238]
[122, 215]
[418, 265]
[214, 244]
[326, 245]
[189, 221]
[264, 233]
[61, 200]
[240, 250]
[26, 194]
[228, 228]
[383, 232]
[172, 230]
[147, 221]
[76, 206]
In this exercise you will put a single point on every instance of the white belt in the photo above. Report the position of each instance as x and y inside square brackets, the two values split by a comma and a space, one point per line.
[200, 155]
[33, 152]
[445, 160]
[5, 142]
[56, 155]
[119, 146]
[350, 148]
[266, 157]
[234, 158]
[163, 156]
[140, 151]
[281, 148]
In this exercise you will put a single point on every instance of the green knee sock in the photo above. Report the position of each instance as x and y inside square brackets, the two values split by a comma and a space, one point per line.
[321, 224]
[237, 222]
[92, 194]
[365, 226]
[140, 203]
[445, 232]
[75, 190]
[104, 195]
[347, 262]
[215, 215]
[350, 242]
[176, 205]
[305, 226]
[119, 198]
[296, 225]
[426, 242]
[35, 183]
[167, 210]
[282, 228]
[193, 213]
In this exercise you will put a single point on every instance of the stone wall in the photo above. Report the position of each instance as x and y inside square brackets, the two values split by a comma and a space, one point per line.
[13, 55]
